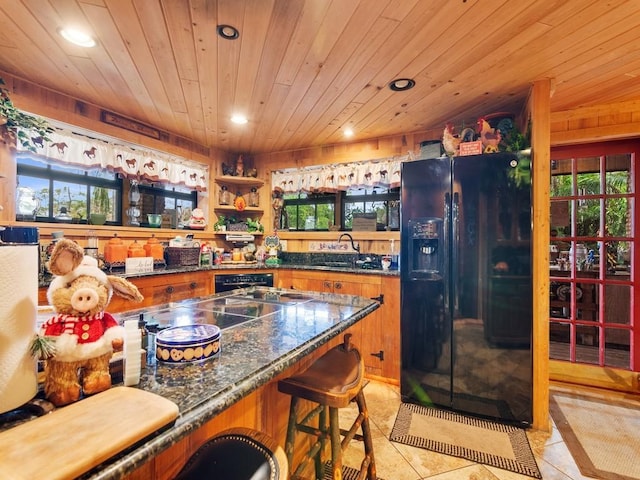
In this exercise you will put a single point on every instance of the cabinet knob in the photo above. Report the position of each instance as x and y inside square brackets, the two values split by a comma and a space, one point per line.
[193, 285]
[326, 284]
[380, 355]
[169, 289]
[379, 298]
[338, 285]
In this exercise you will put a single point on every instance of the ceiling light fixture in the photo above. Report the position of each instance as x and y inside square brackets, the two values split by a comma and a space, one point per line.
[402, 84]
[228, 32]
[239, 119]
[348, 132]
[77, 37]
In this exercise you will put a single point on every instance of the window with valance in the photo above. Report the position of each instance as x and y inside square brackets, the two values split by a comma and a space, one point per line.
[71, 148]
[340, 177]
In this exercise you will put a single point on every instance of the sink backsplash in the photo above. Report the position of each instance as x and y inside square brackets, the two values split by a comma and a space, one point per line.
[327, 258]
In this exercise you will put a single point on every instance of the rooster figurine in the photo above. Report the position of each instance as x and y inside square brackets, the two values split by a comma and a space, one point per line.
[491, 137]
[450, 141]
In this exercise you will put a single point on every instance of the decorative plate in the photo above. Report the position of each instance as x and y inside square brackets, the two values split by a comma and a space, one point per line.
[564, 292]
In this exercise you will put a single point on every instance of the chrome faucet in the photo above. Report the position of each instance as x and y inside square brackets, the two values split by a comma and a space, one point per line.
[353, 245]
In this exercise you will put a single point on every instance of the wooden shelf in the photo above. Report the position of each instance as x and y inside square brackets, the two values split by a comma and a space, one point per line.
[246, 181]
[231, 208]
[231, 232]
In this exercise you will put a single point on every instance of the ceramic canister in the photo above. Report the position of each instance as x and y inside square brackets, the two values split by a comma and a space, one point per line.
[188, 343]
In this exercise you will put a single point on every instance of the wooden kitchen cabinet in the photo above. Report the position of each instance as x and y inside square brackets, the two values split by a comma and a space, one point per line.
[157, 289]
[178, 287]
[377, 335]
[389, 313]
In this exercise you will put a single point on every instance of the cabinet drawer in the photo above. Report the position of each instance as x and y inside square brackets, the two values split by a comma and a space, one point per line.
[174, 292]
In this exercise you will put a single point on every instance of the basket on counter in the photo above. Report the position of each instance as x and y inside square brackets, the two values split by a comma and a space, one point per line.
[182, 256]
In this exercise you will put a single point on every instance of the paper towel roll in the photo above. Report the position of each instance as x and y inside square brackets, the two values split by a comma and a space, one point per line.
[18, 307]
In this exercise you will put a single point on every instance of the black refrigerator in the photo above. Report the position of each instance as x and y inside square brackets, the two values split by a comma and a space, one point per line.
[466, 320]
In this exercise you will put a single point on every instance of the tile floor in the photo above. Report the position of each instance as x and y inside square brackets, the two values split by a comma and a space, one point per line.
[396, 461]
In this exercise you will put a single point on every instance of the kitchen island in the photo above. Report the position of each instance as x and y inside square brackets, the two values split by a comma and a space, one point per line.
[266, 334]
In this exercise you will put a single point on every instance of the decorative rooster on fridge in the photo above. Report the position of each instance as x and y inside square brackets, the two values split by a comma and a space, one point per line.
[491, 137]
[450, 141]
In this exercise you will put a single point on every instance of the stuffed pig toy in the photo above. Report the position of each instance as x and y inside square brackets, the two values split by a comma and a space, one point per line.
[84, 336]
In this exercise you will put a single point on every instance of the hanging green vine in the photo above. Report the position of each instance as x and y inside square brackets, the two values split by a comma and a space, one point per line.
[19, 125]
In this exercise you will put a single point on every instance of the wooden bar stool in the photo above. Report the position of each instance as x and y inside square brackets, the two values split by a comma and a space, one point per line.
[237, 454]
[332, 382]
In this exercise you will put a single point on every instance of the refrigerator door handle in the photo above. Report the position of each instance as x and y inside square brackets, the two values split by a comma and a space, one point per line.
[455, 240]
[446, 234]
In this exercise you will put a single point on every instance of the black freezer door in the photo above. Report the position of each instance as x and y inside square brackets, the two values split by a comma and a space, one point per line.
[465, 325]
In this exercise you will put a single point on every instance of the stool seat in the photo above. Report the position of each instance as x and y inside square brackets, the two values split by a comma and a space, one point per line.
[333, 380]
[237, 454]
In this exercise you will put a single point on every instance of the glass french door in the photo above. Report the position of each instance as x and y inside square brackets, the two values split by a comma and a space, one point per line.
[592, 255]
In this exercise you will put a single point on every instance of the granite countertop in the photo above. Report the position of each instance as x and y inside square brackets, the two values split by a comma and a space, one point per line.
[269, 330]
[342, 267]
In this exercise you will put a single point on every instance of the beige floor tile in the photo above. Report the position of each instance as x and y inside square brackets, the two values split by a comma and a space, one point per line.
[473, 472]
[506, 474]
[549, 472]
[558, 456]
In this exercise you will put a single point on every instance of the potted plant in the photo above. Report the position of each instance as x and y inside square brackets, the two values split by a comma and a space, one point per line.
[19, 126]
[100, 206]
[221, 224]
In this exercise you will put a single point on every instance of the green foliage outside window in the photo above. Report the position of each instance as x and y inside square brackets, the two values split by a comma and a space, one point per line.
[588, 210]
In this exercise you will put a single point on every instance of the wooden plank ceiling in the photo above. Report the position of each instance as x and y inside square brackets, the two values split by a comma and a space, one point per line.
[304, 70]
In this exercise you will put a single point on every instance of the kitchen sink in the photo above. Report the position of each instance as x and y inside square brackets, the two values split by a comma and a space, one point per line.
[333, 264]
[359, 264]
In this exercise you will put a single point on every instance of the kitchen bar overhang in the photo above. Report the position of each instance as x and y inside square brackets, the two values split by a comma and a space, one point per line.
[271, 331]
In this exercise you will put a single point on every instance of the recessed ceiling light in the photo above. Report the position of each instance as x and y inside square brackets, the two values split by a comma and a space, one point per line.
[402, 84]
[239, 119]
[228, 32]
[77, 37]
[348, 132]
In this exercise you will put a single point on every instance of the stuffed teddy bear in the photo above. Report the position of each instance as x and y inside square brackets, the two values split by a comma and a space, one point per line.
[84, 336]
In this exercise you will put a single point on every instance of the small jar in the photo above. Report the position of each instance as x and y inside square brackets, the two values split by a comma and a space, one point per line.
[236, 256]
[225, 196]
[115, 251]
[254, 198]
[135, 250]
[153, 248]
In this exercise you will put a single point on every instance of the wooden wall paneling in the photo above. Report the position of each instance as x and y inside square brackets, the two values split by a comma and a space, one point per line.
[332, 91]
[273, 38]
[130, 36]
[206, 54]
[373, 332]
[539, 107]
[41, 63]
[7, 183]
[306, 68]
[50, 104]
[228, 54]
[119, 80]
[594, 376]
[310, 76]
[390, 323]
[596, 123]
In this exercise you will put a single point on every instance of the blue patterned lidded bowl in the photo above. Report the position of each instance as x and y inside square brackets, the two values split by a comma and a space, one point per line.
[188, 343]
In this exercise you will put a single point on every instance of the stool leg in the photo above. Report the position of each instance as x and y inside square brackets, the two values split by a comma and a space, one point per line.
[366, 434]
[291, 430]
[336, 444]
[322, 426]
